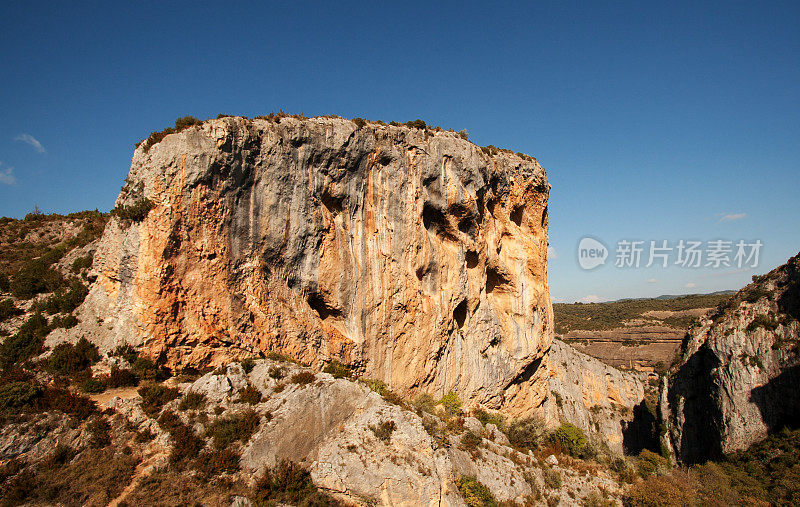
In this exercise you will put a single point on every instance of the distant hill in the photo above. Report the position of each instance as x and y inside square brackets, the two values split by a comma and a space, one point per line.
[642, 334]
[614, 314]
[675, 296]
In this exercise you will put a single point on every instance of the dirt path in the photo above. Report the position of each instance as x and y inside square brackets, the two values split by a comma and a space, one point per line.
[126, 393]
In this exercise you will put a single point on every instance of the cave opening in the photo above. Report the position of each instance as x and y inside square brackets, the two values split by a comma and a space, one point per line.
[460, 313]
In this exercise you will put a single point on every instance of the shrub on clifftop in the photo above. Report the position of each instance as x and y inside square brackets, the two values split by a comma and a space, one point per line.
[136, 212]
[180, 124]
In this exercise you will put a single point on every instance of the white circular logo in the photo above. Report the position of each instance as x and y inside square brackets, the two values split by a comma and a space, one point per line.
[591, 253]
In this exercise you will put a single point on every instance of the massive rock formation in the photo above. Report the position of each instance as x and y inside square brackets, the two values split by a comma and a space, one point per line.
[603, 401]
[740, 371]
[410, 254]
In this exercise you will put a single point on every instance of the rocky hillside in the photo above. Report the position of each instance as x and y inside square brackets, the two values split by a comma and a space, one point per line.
[737, 379]
[608, 404]
[272, 432]
[407, 253]
[44, 277]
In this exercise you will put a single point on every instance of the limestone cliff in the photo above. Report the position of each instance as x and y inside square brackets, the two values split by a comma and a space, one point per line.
[740, 371]
[603, 401]
[410, 254]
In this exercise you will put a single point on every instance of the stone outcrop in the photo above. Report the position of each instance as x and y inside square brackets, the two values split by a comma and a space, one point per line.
[410, 254]
[329, 426]
[739, 372]
[604, 402]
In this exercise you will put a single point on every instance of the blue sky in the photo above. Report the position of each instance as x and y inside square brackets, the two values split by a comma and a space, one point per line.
[654, 122]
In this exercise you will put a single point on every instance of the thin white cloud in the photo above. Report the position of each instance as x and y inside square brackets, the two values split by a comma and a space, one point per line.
[691, 285]
[732, 216]
[29, 139]
[652, 280]
[7, 175]
[591, 298]
[551, 253]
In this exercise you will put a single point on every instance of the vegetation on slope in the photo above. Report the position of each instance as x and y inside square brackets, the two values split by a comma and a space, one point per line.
[604, 316]
[419, 124]
[768, 473]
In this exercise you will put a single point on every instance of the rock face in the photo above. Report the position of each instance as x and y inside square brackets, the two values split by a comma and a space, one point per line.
[599, 399]
[740, 371]
[410, 254]
[357, 446]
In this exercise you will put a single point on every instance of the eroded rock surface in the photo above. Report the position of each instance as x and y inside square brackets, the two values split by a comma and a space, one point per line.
[739, 373]
[332, 427]
[599, 399]
[410, 254]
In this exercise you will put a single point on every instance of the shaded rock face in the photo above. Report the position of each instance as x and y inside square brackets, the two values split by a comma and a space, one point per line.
[407, 253]
[740, 371]
[599, 399]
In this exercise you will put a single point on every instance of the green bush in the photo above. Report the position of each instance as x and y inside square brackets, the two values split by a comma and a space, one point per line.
[136, 212]
[755, 293]
[250, 394]
[100, 432]
[155, 396]
[82, 263]
[228, 429]
[360, 122]
[552, 478]
[489, 418]
[381, 388]
[289, 483]
[65, 299]
[649, 463]
[186, 445]
[474, 493]
[94, 477]
[337, 369]
[180, 124]
[69, 359]
[122, 377]
[303, 378]
[16, 395]
[35, 277]
[213, 462]
[425, 403]
[8, 309]
[248, 365]
[26, 343]
[192, 400]
[383, 431]
[93, 385]
[146, 369]
[284, 358]
[451, 403]
[764, 321]
[64, 400]
[526, 433]
[66, 322]
[184, 122]
[571, 439]
[54, 254]
[661, 491]
[126, 352]
[416, 124]
[471, 441]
